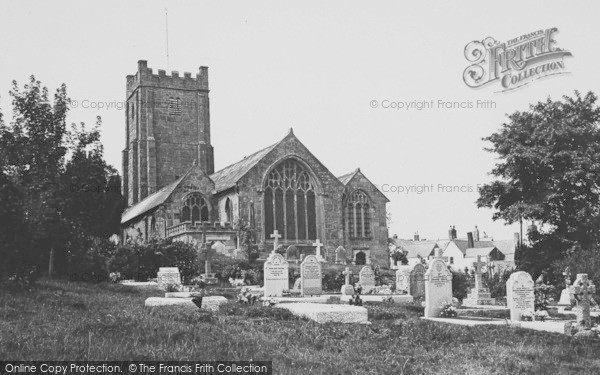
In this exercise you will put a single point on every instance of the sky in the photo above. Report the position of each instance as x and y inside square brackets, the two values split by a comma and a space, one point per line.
[331, 70]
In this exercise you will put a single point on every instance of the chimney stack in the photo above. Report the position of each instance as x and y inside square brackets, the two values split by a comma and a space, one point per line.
[470, 243]
[417, 236]
[450, 233]
[476, 234]
[453, 233]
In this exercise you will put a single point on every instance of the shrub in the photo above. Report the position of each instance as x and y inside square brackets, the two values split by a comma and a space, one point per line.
[543, 294]
[225, 268]
[142, 261]
[497, 283]
[579, 260]
[460, 284]
[333, 280]
[88, 257]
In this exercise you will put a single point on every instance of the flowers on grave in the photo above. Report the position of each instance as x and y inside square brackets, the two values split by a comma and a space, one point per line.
[115, 277]
[173, 287]
[269, 301]
[197, 282]
[541, 315]
[236, 282]
[355, 299]
[357, 288]
[448, 311]
[246, 297]
[527, 315]
[387, 299]
[382, 289]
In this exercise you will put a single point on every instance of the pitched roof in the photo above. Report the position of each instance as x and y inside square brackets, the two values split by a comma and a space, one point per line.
[347, 177]
[415, 249]
[482, 251]
[152, 201]
[227, 177]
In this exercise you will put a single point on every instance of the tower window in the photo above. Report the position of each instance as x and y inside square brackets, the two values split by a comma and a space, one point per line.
[174, 105]
[290, 204]
[194, 209]
[358, 216]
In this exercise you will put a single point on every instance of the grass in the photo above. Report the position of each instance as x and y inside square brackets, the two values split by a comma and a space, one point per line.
[76, 321]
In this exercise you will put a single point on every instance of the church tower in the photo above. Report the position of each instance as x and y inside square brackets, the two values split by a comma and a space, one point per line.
[167, 129]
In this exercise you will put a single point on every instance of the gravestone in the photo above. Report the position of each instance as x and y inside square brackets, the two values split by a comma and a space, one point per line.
[347, 288]
[298, 285]
[340, 255]
[276, 277]
[292, 253]
[438, 287]
[417, 281]
[565, 295]
[581, 290]
[519, 294]
[403, 279]
[312, 276]
[318, 245]
[366, 278]
[479, 295]
[168, 275]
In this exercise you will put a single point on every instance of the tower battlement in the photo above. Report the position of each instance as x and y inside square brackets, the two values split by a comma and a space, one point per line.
[145, 77]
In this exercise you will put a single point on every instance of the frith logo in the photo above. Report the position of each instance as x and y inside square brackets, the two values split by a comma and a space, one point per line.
[516, 62]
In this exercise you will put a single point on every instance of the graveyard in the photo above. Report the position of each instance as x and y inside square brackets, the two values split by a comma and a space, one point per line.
[362, 328]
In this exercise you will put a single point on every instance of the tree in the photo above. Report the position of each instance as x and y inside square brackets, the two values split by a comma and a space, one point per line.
[549, 171]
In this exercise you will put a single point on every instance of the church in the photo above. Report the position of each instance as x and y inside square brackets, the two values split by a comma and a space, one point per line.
[282, 191]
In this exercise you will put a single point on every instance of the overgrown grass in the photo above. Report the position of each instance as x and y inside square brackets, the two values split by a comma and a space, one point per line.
[68, 321]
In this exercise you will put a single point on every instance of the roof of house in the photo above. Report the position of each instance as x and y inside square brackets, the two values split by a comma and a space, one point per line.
[415, 249]
[227, 177]
[479, 251]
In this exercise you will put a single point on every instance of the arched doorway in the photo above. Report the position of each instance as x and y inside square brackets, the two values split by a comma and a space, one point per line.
[361, 259]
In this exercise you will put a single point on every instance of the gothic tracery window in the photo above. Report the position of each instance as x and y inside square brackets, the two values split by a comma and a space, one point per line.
[194, 209]
[289, 202]
[358, 216]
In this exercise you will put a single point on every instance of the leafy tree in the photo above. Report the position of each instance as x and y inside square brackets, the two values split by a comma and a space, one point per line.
[549, 171]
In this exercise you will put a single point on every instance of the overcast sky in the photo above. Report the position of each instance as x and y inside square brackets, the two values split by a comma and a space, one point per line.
[315, 66]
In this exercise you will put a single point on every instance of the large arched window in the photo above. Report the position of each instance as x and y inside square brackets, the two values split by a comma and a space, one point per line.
[228, 211]
[290, 202]
[358, 216]
[194, 209]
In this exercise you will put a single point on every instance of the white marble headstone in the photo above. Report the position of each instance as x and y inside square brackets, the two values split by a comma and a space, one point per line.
[438, 287]
[168, 275]
[276, 277]
[519, 294]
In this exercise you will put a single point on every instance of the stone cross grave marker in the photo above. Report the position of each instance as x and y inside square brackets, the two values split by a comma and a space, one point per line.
[519, 294]
[417, 281]
[276, 236]
[581, 289]
[276, 276]
[438, 287]
[366, 278]
[312, 276]
[168, 275]
[479, 295]
[318, 245]
[403, 279]
[347, 288]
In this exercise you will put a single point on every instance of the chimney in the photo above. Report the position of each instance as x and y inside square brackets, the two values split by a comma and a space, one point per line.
[450, 233]
[476, 234]
[470, 243]
[417, 236]
[453, 232]
[517, 240]
[395, 236]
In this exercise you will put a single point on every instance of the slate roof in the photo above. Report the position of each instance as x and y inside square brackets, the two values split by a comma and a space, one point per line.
[415, 249]
[482, 251]
[347, 177]
[227, 177]
[152, 201]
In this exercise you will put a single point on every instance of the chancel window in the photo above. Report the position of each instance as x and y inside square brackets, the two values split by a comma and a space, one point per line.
[228, 211]
[289, 202]
[194, 209]
[358, 217]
